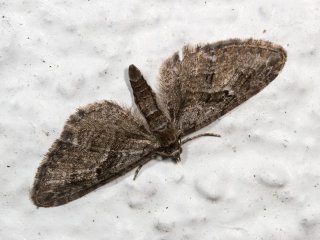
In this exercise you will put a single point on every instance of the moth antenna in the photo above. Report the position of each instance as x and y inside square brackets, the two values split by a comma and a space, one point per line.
[200, 135]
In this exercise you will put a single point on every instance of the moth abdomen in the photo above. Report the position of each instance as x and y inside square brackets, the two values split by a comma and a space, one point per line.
[159, 124]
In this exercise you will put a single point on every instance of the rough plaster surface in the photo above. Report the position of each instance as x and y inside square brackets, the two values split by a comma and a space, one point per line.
[261, 180]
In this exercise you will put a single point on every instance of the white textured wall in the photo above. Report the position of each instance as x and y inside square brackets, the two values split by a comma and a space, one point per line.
[260, 181]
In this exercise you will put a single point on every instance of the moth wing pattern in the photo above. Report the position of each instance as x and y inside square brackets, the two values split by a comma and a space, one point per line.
[212, 79]
[99, 143]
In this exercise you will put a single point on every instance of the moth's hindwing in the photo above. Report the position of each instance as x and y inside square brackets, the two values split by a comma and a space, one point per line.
[99, 143]
[212, 79]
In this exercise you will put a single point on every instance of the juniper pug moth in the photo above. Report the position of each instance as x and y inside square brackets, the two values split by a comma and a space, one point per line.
[103, 141]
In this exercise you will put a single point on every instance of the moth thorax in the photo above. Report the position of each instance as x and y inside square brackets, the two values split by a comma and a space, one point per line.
[167, 136]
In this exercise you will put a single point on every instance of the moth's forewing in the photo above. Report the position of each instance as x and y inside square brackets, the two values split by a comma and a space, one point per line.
[99, 143]
[213, 79]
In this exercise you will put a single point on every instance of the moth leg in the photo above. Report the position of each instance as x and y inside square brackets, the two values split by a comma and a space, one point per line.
[175, 158]
[137, 172]
[201, 135]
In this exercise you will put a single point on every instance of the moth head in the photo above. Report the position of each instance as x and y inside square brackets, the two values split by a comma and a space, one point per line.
[172, 151]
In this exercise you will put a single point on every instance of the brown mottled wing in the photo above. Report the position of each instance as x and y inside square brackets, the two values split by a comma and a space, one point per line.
[213, 79]
[100, 142]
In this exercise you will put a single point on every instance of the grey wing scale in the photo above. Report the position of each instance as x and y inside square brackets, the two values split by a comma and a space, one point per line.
[99, 143]
[212, 79]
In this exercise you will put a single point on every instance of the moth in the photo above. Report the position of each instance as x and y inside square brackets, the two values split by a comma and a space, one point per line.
[103, 141]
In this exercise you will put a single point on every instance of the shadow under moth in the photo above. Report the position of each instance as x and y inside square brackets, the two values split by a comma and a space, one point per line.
[103, 141]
